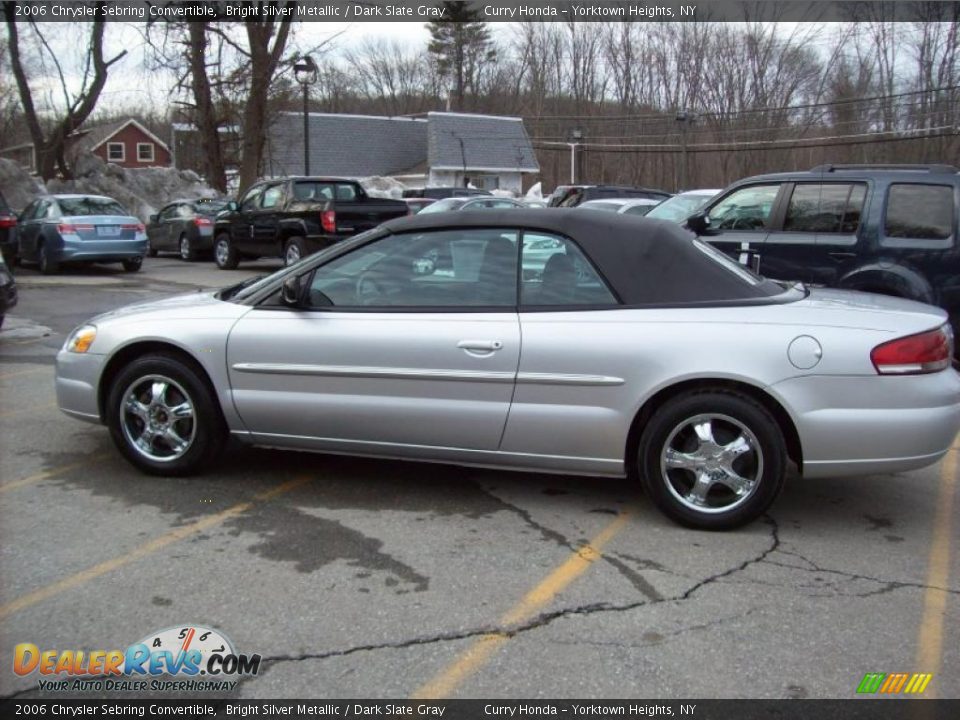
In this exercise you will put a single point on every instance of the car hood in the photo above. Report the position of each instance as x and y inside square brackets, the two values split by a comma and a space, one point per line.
[189, 306]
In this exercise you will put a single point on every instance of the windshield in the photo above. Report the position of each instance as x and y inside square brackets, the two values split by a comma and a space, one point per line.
[210, 207]
[78, 206]
[679, 207]
[741, 271]
[443, 205]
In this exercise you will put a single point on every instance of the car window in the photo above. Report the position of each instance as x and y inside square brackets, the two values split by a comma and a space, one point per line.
[825, 208]
[168, 213]
[555, 272]
[316, 191]
[501, 204]
[346, 192]
[271, 197]
[640, 210]
[29, 211]
[445, 205]
[78, 206]
[748, 208]
[679, 207]
[573, 199]
[249, 201]
[921, 212]
[185, 211]
[441, 269]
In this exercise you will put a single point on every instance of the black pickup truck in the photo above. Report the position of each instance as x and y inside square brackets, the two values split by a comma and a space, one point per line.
[294, 217]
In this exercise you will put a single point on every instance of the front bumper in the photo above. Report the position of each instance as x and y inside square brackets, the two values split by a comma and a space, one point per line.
[865, 425]
[77, 378]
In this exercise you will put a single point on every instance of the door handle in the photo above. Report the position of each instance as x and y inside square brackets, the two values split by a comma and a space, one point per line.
[480, 345]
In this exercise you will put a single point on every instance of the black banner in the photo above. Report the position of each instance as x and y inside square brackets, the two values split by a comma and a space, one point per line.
[853, 709]
[492, 11]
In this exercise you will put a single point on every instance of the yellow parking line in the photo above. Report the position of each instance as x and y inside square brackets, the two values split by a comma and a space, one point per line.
[27, 410]
[483, 648]
[148, 548]
[30, 479]
[930, 640]
[15, 373]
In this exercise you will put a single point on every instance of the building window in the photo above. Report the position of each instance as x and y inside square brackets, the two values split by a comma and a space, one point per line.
[483, 182]
[144, 152]
[115, 152]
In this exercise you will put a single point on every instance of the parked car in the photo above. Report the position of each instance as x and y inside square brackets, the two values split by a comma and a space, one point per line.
[418, 204]
[682, 205]
[184, 226]
[439, 193]
[8, 233]
[58, 229]
[8, 290]
[639, 350]
[488, 202]
[534, 203]
[573, 195]
[889, 229]
[624, 206]
[294, 217]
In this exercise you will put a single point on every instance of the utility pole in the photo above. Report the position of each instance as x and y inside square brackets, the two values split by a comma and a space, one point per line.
[683, 117]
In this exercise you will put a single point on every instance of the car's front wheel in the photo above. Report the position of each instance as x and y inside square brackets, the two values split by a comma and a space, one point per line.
[163, 417]
[712, 459]
[224, 253]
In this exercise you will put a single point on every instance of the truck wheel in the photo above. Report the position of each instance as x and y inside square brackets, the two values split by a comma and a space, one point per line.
[224, 253]
[294, 251]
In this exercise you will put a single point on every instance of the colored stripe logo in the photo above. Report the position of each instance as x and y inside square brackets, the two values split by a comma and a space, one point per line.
[894, 683]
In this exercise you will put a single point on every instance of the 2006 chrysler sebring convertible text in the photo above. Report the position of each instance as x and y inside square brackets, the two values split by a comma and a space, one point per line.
[560, 341]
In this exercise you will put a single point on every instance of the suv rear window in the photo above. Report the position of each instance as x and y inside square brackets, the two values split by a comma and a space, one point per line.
[922, 212]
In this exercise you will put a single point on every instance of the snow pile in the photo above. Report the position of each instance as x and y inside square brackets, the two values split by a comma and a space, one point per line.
[143, 191]
[383, 187]
[18, 187]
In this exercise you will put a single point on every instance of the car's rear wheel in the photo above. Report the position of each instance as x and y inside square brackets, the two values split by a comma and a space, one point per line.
[294, 251]
[187, 252]
[712, 459]
[132, 264]
[48, 266]
[224, 254]
[163, 417]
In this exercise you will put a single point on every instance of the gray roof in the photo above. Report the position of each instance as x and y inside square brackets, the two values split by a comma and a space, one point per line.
[346, 145]
[479, 142]
[365, 145]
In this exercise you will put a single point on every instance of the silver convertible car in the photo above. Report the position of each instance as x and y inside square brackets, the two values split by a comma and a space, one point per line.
[563, 341]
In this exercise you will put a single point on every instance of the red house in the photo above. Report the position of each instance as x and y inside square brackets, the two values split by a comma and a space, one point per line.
[126, 143]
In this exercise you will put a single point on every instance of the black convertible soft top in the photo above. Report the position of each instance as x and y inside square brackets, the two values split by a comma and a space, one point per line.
[647, 262]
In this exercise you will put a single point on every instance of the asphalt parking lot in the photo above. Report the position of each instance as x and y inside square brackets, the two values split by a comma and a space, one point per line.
[377, 579]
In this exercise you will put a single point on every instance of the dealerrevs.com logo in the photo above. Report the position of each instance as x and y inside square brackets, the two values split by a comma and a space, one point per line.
[182, 659]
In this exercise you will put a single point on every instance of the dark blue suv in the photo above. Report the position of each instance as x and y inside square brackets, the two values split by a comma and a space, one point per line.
[889, 229]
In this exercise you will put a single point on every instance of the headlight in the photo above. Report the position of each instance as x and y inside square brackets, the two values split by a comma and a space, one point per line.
[81, 339]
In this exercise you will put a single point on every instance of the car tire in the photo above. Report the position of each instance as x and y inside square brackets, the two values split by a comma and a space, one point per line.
[712, 459]
[187, 253]
[48, 266]
[142, 401]
[132, 264]
[224, 254]
[294, 251]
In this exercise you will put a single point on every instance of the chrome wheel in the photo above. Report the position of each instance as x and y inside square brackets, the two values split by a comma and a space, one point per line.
[711, 463]
[292, 255]
[222, 252]
[157, 418]
[185, 252]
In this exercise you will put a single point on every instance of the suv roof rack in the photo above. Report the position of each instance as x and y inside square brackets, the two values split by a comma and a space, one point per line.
[940, 169]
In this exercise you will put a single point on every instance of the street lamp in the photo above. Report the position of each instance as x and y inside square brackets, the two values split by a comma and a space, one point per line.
[577, 136]
[305, 71]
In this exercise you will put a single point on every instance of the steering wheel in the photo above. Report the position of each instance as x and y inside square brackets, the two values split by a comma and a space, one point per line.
[370, 289]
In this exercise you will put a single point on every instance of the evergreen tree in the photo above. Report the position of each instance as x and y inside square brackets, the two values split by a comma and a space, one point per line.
[460, 45]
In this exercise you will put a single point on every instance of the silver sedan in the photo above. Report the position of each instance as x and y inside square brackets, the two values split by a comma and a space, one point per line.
[566, 342]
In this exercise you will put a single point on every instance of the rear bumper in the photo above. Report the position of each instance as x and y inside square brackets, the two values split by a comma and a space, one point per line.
[864, 425]
[77, 378]
[73, 249]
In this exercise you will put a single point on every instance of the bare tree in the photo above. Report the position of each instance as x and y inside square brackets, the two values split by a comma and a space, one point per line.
[50, 143]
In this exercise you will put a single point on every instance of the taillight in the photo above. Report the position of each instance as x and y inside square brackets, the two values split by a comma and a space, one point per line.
[202, 222]
[134, 226]
[71, 229]
[925, 352]
[328, 219]
[8, 221]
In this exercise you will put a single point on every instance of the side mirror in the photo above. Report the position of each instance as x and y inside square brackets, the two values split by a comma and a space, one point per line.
[232, 206]
[291, 291]
[699, 223]
[153, 219]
